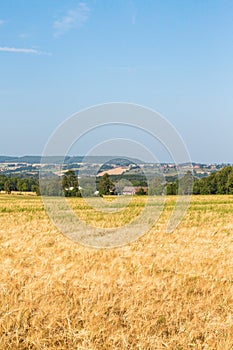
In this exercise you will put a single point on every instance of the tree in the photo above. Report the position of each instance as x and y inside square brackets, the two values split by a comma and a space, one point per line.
[156, 187]
[105, 185]
[36, 188]
[7, 187]
[222, 179]
[140, 192]
[196, 187]
[171, 188]
[22, 185]
[50, 186]
[186, 183]
[3, 179]
[230, 183]
[220, 182]
[70, 184]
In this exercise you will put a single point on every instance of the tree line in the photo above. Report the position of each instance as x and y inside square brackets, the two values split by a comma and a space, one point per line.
[220, 182]
[27, 184]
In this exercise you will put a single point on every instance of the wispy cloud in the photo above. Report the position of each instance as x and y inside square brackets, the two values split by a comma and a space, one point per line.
[73, 19]
[23, 50]
[2, 22]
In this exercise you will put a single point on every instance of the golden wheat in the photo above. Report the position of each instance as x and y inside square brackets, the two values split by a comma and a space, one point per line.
[164, 291]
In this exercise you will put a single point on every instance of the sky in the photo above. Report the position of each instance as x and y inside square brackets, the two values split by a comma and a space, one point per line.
[176, 57]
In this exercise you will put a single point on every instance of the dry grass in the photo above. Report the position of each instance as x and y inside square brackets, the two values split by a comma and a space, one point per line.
[166, 291]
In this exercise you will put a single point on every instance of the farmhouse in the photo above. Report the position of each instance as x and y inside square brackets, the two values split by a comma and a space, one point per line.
[130, 190]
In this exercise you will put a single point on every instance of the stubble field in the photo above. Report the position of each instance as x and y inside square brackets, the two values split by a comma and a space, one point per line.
[164, 291]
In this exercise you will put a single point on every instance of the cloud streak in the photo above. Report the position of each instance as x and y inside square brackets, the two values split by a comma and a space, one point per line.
[2, 22]
[73, 19]
[23, 50]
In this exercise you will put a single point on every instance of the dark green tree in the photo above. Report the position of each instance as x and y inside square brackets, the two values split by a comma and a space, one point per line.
[105, 185]
[7, 187]
[220, 182]
[229, 184]
[70, 184]
[3, 179]
[222, 179]
[171, 188]
[22, 185]
[196, 187]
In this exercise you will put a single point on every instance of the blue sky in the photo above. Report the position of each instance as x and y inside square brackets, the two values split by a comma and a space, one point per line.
[174, 56]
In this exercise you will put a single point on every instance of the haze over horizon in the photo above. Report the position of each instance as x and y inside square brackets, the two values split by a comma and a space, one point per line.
[175, 57]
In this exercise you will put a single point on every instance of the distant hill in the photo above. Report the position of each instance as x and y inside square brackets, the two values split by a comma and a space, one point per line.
[68, 160]
[24, 159]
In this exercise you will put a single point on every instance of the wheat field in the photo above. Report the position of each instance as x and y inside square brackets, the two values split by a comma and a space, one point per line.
[164, 291]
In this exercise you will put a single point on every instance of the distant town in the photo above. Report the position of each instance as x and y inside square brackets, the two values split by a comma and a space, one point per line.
[31, 166]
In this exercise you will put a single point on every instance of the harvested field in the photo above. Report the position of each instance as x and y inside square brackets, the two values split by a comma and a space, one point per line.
[114, 171]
